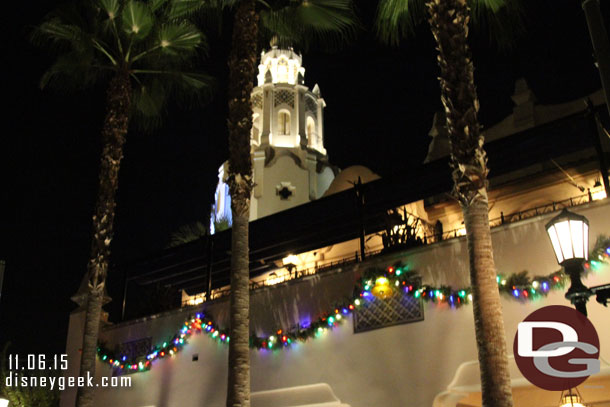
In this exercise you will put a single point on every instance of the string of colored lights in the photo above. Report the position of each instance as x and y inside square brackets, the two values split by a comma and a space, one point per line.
[374, 283]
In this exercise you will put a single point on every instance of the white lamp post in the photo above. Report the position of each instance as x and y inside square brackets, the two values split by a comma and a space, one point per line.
[3, 402]
[569, 234]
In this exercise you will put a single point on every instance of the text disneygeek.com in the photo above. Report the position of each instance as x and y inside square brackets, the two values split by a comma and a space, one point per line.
[29, 371]
[61, 383]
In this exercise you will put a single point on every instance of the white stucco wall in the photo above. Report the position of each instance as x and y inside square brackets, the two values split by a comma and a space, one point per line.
[284, 169]
[404, 365]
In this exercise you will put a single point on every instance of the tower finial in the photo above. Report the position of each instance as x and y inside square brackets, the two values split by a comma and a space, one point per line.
[274, 41]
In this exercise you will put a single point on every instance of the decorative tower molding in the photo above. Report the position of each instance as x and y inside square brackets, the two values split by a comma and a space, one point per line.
[287, 139]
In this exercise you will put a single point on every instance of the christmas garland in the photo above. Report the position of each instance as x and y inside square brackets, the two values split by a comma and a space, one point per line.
[373, 282]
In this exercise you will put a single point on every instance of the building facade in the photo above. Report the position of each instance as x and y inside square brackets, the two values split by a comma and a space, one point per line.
[320, 336]
[428, 362]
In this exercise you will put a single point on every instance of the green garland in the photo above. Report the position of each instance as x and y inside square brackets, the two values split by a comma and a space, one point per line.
[393, 279]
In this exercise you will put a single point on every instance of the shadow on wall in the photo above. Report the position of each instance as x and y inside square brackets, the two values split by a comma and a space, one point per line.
[165, 387]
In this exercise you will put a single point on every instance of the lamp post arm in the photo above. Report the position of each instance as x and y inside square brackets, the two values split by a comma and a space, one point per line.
[595, 127]
[602, 293]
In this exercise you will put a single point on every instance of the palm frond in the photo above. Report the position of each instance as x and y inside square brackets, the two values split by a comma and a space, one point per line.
[97, 39]
[157, 4]
[502, 21]
[396, 19]
[58, 34]
[180, 38]
[326, 16]
[148, 99]
[327, 23]
[110, 8]
[137, 19]
[196, 81]
[188, 233]
[491, 5]
[156, 87]
[210, 16]
[110, 13]
[75, 70]
[184, 8]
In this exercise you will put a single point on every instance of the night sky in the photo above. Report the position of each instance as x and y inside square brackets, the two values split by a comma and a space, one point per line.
[380, 103]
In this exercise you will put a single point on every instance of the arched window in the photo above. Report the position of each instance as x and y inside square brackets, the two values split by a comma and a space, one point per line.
[310, 130]
[255, 134]
[283, 122]
[282, 70]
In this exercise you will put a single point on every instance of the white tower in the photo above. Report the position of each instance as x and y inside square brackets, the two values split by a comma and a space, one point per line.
[290, 165]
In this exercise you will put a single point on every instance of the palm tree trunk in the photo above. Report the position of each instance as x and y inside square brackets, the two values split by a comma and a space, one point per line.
[242, 66]
[449, 23]
[113, 139]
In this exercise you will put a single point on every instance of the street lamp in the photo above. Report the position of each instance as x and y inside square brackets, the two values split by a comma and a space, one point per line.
[569, 234]
[3, 402]
[571, 399]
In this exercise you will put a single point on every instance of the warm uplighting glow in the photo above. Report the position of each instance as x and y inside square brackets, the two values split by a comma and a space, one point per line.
[598, 191]
[195, 299]
[461, 232]
[284, 66]
[275, 278]
[569, 234]
[598, 195]
[290, 259]
[199, 298]
[3, 402]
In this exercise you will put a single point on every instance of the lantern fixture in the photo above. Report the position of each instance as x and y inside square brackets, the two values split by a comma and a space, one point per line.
[569, 234]
[571, 399]
[382, 288]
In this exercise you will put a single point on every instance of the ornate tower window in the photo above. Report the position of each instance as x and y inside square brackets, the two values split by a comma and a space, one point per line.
[310, 130]
[282, 71]
[255, 134]
[283, 122]
[284, 97]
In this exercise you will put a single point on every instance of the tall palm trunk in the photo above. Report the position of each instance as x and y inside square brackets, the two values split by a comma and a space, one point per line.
[449, 23]
[242, 65]
[113, 138]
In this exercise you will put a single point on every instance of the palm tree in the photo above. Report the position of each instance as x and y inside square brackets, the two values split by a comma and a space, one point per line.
[139, 51]
[449, 21]
[188, 233]
[294, 22]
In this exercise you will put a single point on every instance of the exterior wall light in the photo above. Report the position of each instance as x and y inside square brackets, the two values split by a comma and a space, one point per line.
[569, 234]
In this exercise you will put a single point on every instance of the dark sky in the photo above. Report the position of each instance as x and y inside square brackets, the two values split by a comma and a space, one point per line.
[380, 103]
